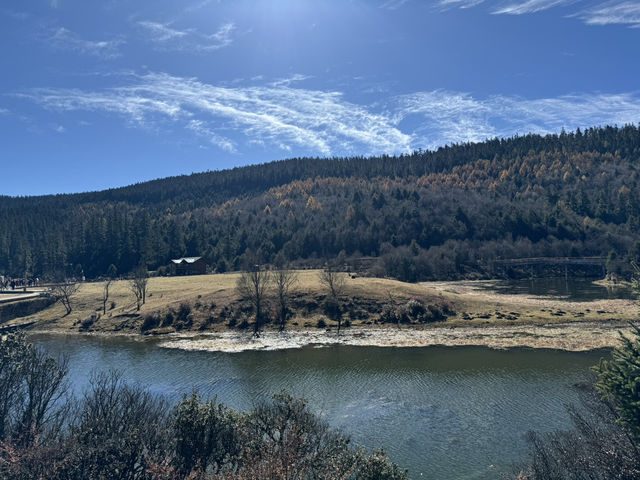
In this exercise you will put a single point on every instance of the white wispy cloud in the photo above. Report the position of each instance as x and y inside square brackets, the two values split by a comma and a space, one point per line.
[445, 117]
[4, 111]
[16, 15]
[65, 39]
[614, 12]
[166, 37]
[393, 4]
[221, 38]
[160, 32]
[528, 6]
[448, 4]
[325, 123]
[201, 128]
[287, 81]
[623, 13]
[281, 116]
[198, 5]
[569, 111]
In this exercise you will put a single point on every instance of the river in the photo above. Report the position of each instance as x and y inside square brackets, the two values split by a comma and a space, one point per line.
[571, 289]
[443, 413]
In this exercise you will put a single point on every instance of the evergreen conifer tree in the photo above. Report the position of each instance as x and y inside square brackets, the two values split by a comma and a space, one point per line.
[619, 380]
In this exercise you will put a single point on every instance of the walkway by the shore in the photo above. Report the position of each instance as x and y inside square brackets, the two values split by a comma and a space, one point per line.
[12, 296]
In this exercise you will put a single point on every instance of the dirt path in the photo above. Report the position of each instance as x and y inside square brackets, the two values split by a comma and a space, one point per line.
[6, 298]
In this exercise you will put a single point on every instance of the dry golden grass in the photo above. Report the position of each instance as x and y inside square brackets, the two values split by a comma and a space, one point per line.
[164, 293]
[208, 295]
[478, 306]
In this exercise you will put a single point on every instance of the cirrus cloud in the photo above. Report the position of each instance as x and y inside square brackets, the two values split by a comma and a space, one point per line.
[278, 114]
[65, 39]
[528, 6]
[450, 117]
[166, 37]
[611, 13]
[303, 121]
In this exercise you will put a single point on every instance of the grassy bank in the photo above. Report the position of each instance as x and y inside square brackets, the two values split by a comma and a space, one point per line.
[209, 304]
[212, 303]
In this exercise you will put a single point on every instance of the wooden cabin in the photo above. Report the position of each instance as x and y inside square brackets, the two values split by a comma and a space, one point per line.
[189, 266]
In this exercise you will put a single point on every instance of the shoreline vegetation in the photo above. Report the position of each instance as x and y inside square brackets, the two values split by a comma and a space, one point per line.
[122, 431]
[206, 313]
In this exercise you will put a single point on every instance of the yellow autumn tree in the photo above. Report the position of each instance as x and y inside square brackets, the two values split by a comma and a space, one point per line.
[313, 204]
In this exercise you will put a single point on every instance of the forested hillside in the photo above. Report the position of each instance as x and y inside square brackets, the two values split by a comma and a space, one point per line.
[442, 214]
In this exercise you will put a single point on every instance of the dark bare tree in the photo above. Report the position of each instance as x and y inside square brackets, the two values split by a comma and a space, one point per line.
[253, 285]
[139, 285]
[105, 294]
[64, 292]
[334, 281]
[598, 446]
[392, 305]
[284, 280]
[208, 435]
[32, 386]
[13, 349]
[111, 275]
[119, 425]
[42, 410]
[295, 443]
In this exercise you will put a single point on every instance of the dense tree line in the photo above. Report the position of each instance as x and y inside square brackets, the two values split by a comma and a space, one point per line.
[447, 213]
[120, 431]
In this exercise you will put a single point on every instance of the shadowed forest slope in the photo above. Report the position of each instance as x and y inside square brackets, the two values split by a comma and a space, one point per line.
[429, 215]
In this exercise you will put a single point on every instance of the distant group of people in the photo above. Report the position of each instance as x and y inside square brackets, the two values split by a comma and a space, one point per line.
[8, 283]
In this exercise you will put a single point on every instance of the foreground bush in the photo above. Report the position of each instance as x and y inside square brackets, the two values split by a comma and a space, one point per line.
[121, 432]
[598, 447]
[605, 441]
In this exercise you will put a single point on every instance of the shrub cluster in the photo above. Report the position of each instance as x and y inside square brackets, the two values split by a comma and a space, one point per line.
[179, 319]
[415, 311]
[87, 323]
[119, 431]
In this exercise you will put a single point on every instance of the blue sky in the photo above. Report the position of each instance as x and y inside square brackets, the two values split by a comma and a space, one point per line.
[99, 94]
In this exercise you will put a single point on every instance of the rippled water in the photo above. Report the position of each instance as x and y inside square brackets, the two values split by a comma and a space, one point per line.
[572, 289]
[443, 413]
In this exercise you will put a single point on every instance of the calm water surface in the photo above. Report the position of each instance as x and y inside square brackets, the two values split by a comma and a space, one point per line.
[572, 289]
[443, 413]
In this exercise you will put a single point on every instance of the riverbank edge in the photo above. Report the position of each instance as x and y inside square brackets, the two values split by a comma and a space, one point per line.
[571, 336]
[482, 318]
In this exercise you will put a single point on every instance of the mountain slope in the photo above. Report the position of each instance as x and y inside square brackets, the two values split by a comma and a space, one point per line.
[442, 214]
